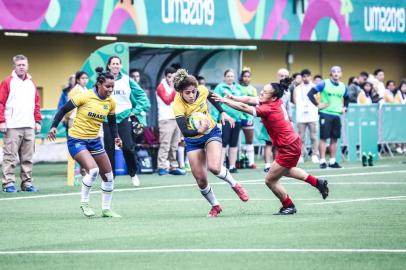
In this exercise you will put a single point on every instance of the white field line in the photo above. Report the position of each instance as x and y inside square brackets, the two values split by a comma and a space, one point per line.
[184, 250]
[360, 200]
[193, 185]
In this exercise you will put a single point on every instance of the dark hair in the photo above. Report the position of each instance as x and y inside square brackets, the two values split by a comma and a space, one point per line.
[350, 80]
[102, 76]
[200, 78]
[294, 75]
[135, 70]
[318, 76]
[79, 74]
[377, 71]
[402, 82]
[389, 82]
[182, 80]
[305, 72]
[227, 71]
[243, 74]
[109, 62]
[281, 87]
[169, 70]
[372, 86]
[364, 74]
[176, 66]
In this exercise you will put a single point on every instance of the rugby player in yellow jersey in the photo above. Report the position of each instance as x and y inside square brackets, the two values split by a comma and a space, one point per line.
[85, 146]
[203, 146]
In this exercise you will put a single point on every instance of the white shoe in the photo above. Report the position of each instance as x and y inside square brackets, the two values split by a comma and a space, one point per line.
[399, 150]
[315, 159]
[135, 180]
[301, 160]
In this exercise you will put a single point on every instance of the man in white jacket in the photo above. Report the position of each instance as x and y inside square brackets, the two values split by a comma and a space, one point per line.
[20, 119]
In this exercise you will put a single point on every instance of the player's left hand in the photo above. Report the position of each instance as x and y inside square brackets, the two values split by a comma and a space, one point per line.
[118, 142]
[225, 117]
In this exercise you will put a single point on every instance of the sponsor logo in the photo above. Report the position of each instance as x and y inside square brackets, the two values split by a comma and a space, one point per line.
[188, 12]
[384, 19]
[95, 115]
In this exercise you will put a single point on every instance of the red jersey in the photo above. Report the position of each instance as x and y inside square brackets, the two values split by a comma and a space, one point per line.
[276, 121]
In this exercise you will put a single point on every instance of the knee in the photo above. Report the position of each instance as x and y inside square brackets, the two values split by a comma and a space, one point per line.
[93, 172]
[270, 179]
[214, 169]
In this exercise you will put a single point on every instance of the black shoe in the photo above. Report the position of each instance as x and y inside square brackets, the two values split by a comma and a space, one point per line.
[233, 170]
[267, 169]
[290, 210]
[323, 165]
[370, 160]
[334, 166]
[322, 187]
[364, 160]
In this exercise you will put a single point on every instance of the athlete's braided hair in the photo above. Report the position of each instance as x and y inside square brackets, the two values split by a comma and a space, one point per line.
[281, 87]
[182, 80]
[102, 76]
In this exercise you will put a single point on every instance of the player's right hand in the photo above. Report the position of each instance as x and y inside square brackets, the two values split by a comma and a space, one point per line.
[52, 134]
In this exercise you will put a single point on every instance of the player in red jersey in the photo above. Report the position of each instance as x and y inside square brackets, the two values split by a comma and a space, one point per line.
[269, 107]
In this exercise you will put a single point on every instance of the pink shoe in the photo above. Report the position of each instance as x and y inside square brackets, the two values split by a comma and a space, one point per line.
[253, 166]
[241, 192]
[215, 211]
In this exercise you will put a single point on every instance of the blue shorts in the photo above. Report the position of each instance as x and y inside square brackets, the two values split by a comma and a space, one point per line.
[200, 143]
[94, 146]
[247, 124]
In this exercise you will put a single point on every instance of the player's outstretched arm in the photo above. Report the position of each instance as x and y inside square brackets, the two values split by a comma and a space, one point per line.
[244, 99]
[58, 117]
[238, 106]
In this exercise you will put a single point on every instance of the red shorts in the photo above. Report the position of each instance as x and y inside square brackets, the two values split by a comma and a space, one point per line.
[288, 155]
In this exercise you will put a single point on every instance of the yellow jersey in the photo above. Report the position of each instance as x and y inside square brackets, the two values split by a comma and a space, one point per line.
[91, 112]
[183, 109]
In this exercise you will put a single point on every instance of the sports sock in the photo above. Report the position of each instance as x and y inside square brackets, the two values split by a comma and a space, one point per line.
[322, 160]
[107, 190]
[181, 156]
[311, 180]
[87, 183]
[226, 176]
[250, 154]
[332, 161]
[286, 202]
[267, 165]
[209, 195]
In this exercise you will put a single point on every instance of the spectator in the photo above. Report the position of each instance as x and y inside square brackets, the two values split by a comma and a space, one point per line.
[131, 105]
[362, 78]
[400, 98]
[81, 80]
[379, 76]
[365, 96]
[333, 94]
[169, 133]
[390, 91]
[201, 80]
[353, 89]
[317, 79]
[20, 119]
[296, 81]
[230, 135]
[135, 75]
[247, 120]
[307, 115]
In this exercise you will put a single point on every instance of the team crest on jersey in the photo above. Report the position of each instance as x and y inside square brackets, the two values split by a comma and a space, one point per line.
[105, 106]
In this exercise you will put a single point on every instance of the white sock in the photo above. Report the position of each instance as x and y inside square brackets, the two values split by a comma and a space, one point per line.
[332, 161]
[181, 156]
[322, 160]
[226, 176]
[107, 191]
[209, 195]
[87, 183]
[250, 154]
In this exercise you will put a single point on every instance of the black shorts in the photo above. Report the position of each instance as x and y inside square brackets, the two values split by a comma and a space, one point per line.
[230, 135]
[330, 126]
